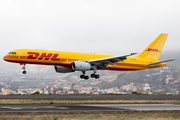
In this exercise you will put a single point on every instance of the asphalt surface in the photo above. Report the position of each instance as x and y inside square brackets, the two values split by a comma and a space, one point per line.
[94, 97]
[89, 108]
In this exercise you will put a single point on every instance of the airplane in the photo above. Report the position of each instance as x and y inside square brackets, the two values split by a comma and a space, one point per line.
[65, 62]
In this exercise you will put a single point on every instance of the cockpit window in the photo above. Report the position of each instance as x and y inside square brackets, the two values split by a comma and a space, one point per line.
[12, 53]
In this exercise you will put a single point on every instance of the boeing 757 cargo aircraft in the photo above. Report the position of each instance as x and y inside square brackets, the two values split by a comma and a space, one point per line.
[65, 62]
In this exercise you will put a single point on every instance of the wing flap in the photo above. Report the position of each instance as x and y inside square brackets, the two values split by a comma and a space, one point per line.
[113, 59]
[103, 62]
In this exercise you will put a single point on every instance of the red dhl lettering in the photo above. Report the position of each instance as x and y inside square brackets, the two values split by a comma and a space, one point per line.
[33, 55]
[152, 50]
[54, 58]
[45, 56]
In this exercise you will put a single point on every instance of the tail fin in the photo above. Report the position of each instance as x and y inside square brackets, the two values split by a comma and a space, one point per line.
[153, 51]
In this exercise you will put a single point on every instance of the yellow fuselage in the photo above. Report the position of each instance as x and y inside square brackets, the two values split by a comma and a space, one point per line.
[63, 58]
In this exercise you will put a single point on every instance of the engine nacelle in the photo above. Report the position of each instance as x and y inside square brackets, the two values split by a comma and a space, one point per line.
[81, 66]
[61, 69]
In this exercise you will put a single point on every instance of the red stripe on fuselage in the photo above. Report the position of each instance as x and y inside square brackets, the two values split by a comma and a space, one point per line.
[40, 63]
[11, 56]
[23, 57]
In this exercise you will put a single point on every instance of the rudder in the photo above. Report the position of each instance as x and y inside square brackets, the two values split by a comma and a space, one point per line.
[153, 51]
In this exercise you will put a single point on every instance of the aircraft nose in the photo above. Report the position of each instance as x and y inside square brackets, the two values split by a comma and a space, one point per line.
[5, 57]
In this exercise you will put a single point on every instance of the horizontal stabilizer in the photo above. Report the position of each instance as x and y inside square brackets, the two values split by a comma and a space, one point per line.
[153, 64]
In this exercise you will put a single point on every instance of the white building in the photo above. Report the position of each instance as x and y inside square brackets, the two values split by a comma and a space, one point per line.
[146, 87]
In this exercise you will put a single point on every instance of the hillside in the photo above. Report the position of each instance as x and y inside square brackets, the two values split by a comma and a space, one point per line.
[140, 77]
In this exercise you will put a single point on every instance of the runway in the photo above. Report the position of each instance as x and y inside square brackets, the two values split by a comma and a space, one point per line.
[88, 107]
[94, 97]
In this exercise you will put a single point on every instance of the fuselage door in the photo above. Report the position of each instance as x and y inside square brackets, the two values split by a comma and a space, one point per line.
[20, 54]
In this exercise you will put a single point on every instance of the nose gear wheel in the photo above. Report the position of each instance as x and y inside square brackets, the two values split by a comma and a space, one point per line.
[24, 68]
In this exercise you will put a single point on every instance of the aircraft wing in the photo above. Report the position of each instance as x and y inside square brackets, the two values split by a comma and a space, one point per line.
[153, 64]
[110, 60]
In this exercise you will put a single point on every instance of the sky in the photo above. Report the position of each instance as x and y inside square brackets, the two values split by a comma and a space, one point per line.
[116, 27]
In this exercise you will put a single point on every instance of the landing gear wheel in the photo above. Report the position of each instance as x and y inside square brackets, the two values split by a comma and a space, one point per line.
[24, 69]
[86, 77]
[97, 76]
[24, 72]
[82, 76]
[93, 75]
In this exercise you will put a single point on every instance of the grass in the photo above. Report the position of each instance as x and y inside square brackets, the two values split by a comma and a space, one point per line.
[58, 101]
[160, 115]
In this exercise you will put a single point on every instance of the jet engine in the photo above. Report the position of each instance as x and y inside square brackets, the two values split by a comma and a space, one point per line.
[81, 66]
[61, 69]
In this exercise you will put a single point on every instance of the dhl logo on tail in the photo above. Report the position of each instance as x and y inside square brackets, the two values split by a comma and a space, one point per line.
[152, 50]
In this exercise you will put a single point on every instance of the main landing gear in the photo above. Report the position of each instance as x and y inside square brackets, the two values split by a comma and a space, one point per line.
[83, 76]
[24, 69]
[94, 75]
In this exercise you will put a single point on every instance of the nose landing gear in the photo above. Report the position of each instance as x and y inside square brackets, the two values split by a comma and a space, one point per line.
[24, 69]
[24, 72]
